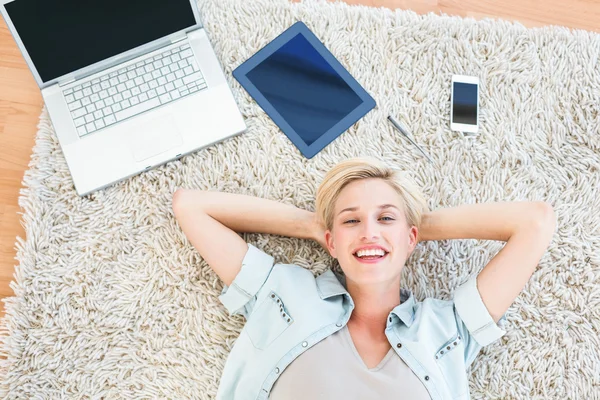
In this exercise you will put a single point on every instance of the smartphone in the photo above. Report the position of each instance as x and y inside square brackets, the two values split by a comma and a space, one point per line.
[464, 113]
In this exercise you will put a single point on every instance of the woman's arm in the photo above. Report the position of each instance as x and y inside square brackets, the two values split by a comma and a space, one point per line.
[487, 221]
[243, 213]
[211, 220]
[527, 227]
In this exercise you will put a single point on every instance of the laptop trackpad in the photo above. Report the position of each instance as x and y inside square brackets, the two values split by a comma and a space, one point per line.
[154, 137]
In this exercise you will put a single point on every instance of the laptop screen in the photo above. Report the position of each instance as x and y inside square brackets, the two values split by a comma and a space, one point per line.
[62, 36]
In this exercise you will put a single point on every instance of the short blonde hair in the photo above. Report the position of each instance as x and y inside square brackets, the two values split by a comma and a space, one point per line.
[357, 168]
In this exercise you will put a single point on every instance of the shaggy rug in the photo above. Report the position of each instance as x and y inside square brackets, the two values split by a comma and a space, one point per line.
[112, 301]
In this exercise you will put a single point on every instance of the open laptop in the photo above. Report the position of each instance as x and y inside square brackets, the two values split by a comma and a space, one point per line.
[129, 85]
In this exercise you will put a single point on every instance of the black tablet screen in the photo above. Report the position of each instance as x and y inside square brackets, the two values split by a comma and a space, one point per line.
[304, 89]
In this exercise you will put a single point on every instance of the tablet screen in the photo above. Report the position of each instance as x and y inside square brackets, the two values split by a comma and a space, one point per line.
[304, 89]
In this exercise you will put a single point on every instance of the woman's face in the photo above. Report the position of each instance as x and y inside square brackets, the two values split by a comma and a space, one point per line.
[369, 224]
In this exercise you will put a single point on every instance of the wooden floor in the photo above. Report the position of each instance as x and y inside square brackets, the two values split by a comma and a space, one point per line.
[21, 102]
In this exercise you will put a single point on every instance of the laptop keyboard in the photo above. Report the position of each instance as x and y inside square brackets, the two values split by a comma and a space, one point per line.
[132, 90]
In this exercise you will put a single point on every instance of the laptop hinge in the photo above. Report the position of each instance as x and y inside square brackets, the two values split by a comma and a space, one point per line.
[173, 40]
[178, 38]
[66, 82]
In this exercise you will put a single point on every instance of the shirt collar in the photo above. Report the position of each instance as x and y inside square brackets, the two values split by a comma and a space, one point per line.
[330, 284]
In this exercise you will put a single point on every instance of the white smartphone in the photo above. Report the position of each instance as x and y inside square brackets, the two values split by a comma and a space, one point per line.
[464, 113]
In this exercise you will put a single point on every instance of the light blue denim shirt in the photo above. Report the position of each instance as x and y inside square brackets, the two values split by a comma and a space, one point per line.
[288, 311]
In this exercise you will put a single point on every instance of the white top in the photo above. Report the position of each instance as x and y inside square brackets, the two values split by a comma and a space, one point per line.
[333, 369]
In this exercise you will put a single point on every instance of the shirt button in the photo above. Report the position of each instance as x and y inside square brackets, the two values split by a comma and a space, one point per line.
[399, 345]
[427, 377]
[338, 324]
[276, 370]
[390, 319]
[455, 343]
[272, 296]
[448, 347]
[304, 344]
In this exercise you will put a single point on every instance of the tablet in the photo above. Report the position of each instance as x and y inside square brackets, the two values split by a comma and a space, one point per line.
[304, 89]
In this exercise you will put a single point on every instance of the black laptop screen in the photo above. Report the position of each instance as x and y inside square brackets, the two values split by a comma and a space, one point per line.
[62, 36]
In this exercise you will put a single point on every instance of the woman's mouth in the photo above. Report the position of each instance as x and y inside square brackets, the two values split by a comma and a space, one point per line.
[371, 259]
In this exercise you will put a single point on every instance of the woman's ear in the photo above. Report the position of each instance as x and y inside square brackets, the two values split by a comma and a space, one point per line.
[329, 243]
[412, 239]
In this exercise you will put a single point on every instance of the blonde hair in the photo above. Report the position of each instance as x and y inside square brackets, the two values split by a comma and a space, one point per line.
[357, 168]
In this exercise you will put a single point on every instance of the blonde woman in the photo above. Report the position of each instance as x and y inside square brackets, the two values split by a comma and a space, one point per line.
[359, 335]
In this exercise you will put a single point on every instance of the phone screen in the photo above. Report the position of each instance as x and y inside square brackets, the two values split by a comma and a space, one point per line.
[464, 109]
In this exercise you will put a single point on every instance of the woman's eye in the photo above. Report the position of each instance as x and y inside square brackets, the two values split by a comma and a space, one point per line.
[354, 220]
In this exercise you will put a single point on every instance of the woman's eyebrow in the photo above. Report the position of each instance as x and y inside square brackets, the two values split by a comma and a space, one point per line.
[382, 207]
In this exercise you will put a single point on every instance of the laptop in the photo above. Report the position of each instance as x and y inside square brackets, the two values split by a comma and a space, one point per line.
[129, 85]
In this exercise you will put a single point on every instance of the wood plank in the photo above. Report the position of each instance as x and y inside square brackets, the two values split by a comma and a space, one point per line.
[576, 14]
[10, 228]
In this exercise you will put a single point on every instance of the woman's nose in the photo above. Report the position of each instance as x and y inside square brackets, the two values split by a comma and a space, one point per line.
[369, 230]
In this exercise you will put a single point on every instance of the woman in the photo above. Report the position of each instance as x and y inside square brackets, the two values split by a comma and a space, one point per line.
[360, 335]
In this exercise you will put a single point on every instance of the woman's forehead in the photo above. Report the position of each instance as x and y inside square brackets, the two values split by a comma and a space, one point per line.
[357, 200]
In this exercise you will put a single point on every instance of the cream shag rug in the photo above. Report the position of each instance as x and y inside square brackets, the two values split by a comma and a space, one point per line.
[112, 301]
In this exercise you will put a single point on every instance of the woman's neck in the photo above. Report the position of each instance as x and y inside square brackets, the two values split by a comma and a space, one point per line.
[372, 306]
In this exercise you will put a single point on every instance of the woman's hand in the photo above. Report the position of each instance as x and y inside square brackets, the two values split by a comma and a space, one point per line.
[319, 232]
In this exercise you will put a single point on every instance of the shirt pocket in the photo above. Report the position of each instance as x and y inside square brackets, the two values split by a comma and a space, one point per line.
[450, 360]
[268, 321]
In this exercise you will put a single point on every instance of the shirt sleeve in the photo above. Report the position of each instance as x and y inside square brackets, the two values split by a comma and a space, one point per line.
[475, 324]
[239, 298]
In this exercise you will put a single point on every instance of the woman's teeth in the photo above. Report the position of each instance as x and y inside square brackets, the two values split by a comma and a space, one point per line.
[370, 253]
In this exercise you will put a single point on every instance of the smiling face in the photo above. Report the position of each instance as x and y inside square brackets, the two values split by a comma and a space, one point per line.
[368, 224]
